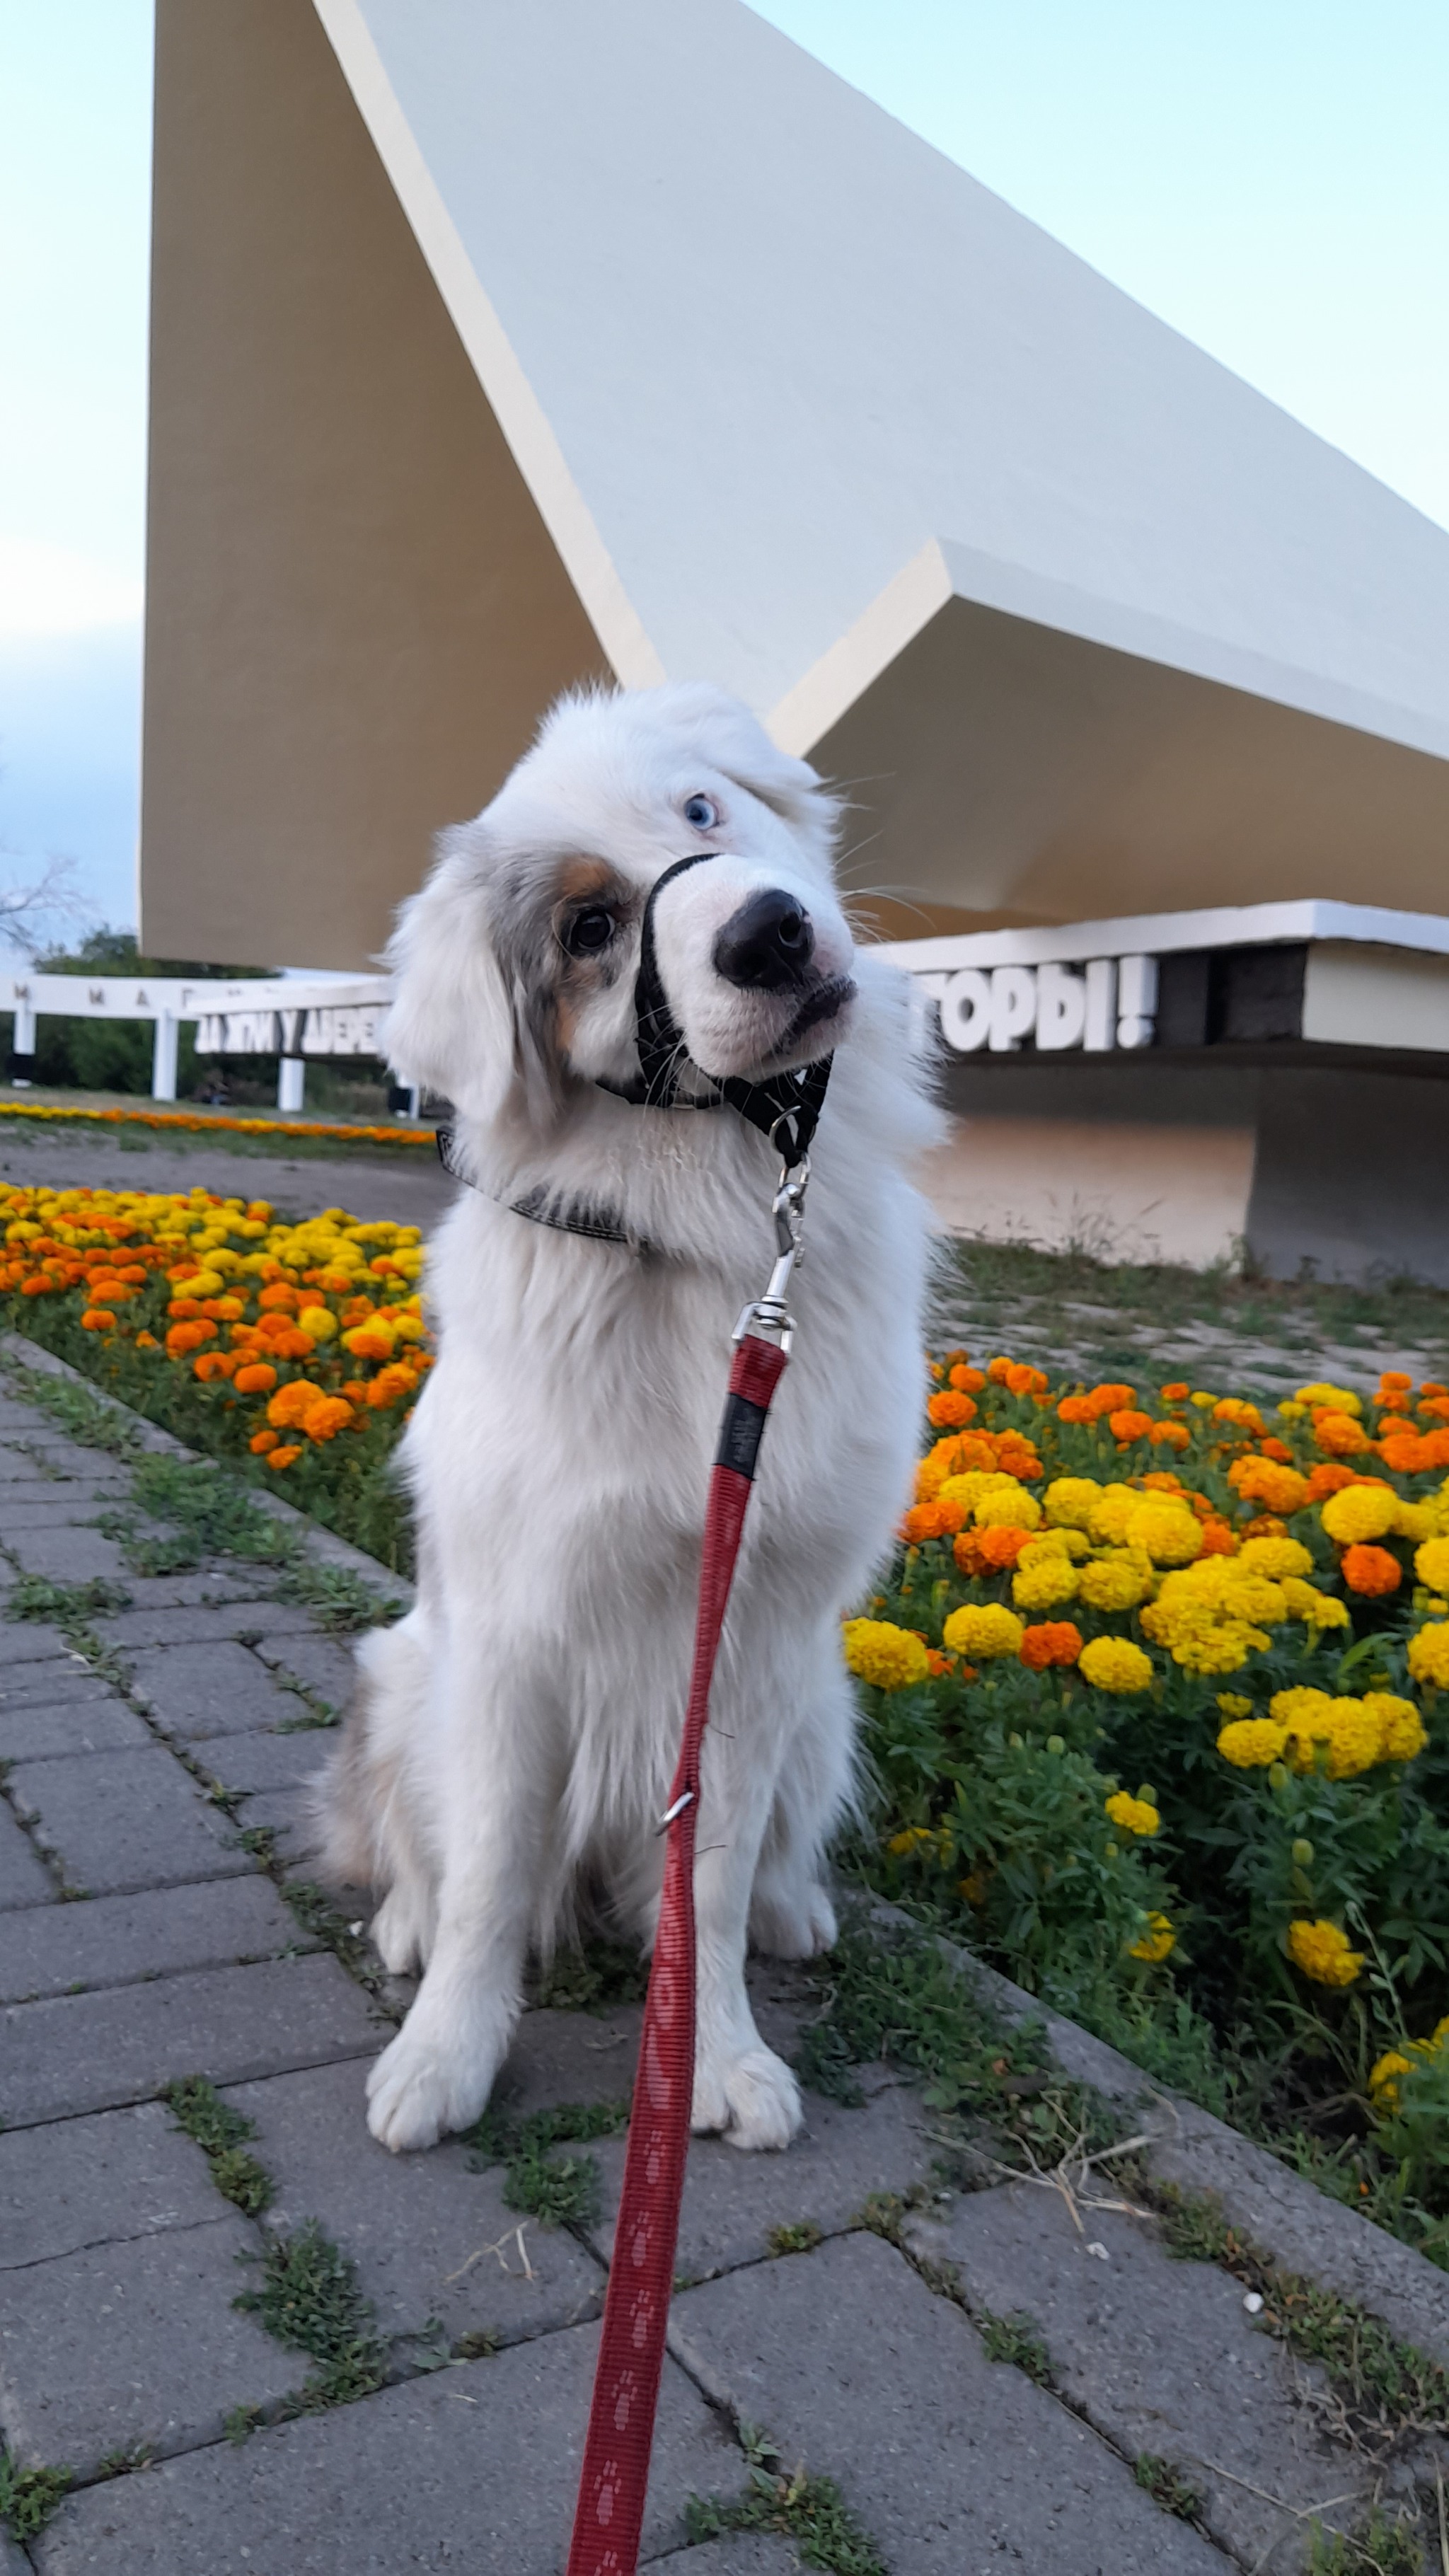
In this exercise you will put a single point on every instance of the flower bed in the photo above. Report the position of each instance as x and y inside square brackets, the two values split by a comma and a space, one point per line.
[197, 1122]
[295, 1350]
[1154, 1703]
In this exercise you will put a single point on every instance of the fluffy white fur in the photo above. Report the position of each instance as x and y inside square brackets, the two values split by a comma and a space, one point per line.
[515, 1734]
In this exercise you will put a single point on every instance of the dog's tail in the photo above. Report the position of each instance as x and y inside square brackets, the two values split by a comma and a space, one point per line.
[363, 1804]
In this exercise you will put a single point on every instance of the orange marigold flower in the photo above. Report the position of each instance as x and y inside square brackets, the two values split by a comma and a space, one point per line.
[949, 1411]
[188, 1337]
[262, 1441]
[38, 1287]
[1076, 1408]
[1278, 1450]
[1219, 1538]
[1394, 1383]
[280, 1458]
[938, 1664]
[256, 1378]
[996, 1370]
[1438, 1405]
[213, 1364]
[1339, 1434]
[1174, 1434]
[1264, 1525]
[967, 1381]
[355, 1389]
[97, 1319]
[323, 1421]
[291, 1402]
[1022, 1380]
[388, 1386]
[1177, 1393]
[1329, 1478]
[1000, 1547]
[1371, 1570]
[1054, 1641]
[1270, 1481]
[922, 1521]
[1129, 1425]
[147, 1342]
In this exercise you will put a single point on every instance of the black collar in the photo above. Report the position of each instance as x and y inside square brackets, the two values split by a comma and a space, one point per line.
[570, 1216]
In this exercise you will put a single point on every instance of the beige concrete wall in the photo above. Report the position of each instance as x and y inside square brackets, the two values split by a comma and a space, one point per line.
[1119, 1190]
[355, 613]
[1003, 767]
[1357, 995]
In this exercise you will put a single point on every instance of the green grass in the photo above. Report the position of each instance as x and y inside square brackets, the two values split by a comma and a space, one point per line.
[67, 1606]
[1166, 2486]
[797, 2236]
[1015, 2339]
[1382, 2548]
[309, 2300]
[221, 2133]
[808, 2511]
[558, 2191]
[28, 2497]
[596, 1977]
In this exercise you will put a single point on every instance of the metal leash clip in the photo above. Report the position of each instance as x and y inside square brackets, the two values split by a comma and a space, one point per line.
[768, 1315]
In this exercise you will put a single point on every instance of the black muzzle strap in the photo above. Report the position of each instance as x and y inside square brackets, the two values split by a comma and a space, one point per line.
[786, 1107]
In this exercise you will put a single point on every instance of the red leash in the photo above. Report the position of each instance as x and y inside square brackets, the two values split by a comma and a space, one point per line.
[615, 2476]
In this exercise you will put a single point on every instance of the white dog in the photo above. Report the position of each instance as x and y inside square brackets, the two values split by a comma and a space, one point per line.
[516, 1733]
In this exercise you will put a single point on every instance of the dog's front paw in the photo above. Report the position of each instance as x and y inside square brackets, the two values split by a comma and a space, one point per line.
[753, 2099]
[421, 2089]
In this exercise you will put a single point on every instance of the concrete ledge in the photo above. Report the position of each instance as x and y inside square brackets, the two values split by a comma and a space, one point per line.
[320, 1544]
[1286, 2216]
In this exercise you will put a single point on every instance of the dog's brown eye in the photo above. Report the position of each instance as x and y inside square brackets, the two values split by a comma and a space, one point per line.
[587, 932]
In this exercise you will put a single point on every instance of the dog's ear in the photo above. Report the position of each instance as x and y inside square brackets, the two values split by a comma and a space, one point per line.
[734, 741]
[451, 1025]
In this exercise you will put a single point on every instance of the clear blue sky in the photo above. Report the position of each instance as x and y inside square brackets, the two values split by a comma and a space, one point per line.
[1273, 180]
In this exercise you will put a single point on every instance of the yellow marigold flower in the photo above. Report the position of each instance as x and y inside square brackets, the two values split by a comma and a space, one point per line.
[1071, 1500]
[980, 1630]
[1402, 1732]
[318, 1323]
[1431, 1564]
[1335, 1399]
[1360, 1513]
[1355, 1740]
[967, 1490]
[1291, 1410]
[1250, 1743]
[1416, 1522]
[1011, 1507]
[1167, 1532]
[1203, 1400]
[1115, 1664]
[1251, 1597]
[1277, 1558]
[879, 1652]
[1046, 1580]
[1233, 1704]
[1316, 1609]
[1073, 1544]
[1116, 1505]
[1295, 1707]
[1113, 1583]
[1323, 1953]
[1384, 2077]
[1134, 1815]
[1157, 1942]
[914, 1837]
[1429, 1654]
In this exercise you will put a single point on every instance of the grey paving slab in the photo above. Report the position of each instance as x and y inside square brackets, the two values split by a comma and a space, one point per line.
[266, 1759]
[430, 2238]
[473, 2468]
[733, 2202]
[738, 2553]
[81, 1719]
[201, 1690]
[126, 1819]
[288, 1816]
[90, 2052]
[320, 1663]
[154, 1932]
[953, 2463]
[135, 2342]
[32, 1641]
[202, 1623]
[24, 1878]
[55, 1680]
[78, 2183]
[1160, 2357]
[64, 1555]
[569, 2057]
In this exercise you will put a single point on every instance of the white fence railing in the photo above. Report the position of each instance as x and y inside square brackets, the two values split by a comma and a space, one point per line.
[283, 1016]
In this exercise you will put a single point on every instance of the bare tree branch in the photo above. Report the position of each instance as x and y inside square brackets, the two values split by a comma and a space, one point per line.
[33, 912]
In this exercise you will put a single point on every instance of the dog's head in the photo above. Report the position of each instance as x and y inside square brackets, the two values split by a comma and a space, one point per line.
[515, 966]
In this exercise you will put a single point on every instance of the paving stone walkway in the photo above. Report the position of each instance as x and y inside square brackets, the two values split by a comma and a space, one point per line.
[152, 1826]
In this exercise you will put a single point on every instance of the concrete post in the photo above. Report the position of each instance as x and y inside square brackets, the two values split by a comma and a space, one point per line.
[163, 1057]
[291, 1081]
[22, 1044]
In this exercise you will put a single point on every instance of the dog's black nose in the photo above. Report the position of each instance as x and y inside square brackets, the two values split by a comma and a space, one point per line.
[767, 944]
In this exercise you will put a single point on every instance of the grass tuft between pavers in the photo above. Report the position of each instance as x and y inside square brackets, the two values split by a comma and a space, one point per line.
[28, 2497]
[1382, 2548]
[310, 2301]
[1167, 2486]
[221, 2133]
[1015, 2339]
[558, 2191]
[808, 2511]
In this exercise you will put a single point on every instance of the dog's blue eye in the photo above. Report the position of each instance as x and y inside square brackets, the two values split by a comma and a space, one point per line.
[702, 812]
[588, 931]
